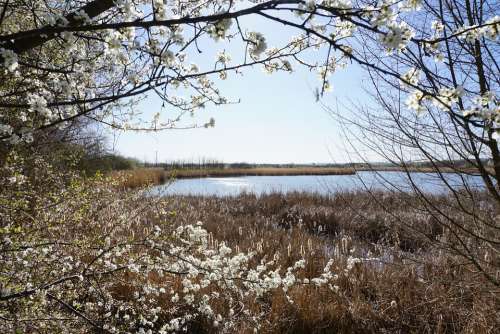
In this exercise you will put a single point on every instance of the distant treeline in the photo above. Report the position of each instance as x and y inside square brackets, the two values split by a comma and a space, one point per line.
[207, 163]
[462, 163]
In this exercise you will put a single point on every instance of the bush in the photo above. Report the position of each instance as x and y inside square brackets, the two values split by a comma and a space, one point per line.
[105, 163]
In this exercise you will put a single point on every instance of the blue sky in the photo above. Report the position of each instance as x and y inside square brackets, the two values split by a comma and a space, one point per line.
[277, 121]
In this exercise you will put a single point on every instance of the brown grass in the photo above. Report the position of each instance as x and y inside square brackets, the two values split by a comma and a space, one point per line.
[136, 178]
[270, 171]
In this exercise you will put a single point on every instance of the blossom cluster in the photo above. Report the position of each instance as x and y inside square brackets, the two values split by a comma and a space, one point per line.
[10, 59]
[150, 46]
[102, 71]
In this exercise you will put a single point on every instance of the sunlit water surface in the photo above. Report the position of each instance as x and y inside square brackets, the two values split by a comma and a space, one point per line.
[321, 184]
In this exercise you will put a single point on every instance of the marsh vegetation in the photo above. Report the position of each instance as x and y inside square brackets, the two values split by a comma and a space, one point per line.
[357, 262]
[86, 246]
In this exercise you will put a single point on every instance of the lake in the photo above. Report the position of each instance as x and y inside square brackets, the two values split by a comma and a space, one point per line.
[322, 184]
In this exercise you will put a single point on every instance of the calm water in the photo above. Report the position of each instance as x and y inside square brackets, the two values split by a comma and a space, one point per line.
[328, 184]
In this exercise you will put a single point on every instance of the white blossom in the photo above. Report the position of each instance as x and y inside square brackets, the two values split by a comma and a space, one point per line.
[258, 44]
[9, 58]
[397, 37]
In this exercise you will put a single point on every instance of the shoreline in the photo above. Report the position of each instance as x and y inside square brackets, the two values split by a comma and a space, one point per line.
[274, 171]
[142, 176]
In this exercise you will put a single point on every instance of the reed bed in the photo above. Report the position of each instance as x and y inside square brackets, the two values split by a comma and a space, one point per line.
[268, 171]
[399, 283]
[140, 177]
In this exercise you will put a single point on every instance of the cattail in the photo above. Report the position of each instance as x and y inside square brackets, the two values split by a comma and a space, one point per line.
[487, 257]
[343, 243]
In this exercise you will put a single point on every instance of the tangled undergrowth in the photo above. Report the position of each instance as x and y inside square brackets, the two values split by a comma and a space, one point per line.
[76, 254]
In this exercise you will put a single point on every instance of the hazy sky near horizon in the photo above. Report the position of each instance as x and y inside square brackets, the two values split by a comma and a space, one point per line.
[277, 120]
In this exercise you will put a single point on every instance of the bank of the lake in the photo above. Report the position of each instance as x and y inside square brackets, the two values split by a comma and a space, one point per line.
[142, 176]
